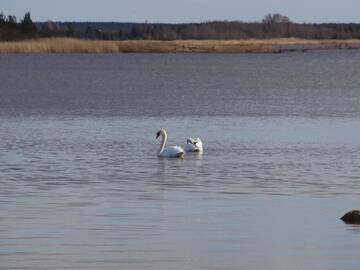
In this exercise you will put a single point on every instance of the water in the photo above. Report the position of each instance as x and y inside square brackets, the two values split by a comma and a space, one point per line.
[82, 188]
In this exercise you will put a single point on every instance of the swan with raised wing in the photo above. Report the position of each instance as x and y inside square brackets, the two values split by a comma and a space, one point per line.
[194, 145]
[170, 151]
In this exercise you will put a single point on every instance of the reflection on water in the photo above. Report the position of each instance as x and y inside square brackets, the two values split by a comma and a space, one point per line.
[82, 187]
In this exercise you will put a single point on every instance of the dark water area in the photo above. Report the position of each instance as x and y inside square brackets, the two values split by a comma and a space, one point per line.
[299, 84]
[81, 186]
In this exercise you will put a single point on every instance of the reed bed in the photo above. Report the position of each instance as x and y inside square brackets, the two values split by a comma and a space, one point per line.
[71, 45]
[58, 45]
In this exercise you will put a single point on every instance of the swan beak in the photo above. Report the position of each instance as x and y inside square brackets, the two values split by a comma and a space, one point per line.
[157, 135]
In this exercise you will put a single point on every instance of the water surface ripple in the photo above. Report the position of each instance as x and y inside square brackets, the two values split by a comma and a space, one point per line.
[82, 188]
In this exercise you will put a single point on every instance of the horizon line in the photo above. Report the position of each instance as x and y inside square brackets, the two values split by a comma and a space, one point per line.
[190, 22]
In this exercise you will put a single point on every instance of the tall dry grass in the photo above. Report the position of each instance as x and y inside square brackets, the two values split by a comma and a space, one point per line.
[58, 45]
[71, 45]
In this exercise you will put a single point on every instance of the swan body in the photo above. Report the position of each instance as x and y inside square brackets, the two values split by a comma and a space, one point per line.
[170, 151]
[194, 145]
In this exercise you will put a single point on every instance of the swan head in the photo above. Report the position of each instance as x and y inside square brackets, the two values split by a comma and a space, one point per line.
[194, 145]
[160, 132]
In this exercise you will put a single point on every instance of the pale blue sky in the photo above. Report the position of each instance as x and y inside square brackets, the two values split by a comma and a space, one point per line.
[175, 11]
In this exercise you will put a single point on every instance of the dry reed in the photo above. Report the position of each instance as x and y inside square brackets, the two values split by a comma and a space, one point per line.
[71, 45]
[58, 45]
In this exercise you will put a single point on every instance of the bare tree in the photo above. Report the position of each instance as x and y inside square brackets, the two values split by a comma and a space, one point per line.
[275, 18]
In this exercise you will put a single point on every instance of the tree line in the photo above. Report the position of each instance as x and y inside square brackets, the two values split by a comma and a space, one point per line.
[12, 29]
[272, 26]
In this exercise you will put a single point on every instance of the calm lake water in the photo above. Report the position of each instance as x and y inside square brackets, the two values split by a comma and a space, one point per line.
[81, 186]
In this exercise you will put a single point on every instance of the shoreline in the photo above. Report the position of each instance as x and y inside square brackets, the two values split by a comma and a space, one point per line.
[71, 45]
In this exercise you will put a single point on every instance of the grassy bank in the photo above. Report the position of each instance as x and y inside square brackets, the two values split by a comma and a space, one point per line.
[69, 45]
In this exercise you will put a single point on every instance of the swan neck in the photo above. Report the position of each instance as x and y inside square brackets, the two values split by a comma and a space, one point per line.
[163, 142]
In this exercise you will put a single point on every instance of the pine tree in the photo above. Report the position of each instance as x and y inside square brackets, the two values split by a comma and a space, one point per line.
[70, 32]
[27, 25]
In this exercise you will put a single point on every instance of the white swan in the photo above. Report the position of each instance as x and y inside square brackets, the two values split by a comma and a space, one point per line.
[194, 145]
[170, 151]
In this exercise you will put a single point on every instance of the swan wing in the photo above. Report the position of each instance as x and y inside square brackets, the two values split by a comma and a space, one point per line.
[172, 151]
[199, 144]
[194, 145]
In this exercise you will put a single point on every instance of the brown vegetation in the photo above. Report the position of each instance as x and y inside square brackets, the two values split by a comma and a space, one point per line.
[58, 45]
[71, 45]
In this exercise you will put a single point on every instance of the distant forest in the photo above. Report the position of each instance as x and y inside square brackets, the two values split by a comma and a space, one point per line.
[272, 26]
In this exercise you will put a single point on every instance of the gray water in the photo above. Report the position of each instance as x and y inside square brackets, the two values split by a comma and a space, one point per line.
[81, 186]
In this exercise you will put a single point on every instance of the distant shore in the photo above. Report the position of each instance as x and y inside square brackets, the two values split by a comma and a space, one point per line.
[71, 45]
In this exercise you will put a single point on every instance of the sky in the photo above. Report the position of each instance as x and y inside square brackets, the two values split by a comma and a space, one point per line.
[178, 11]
